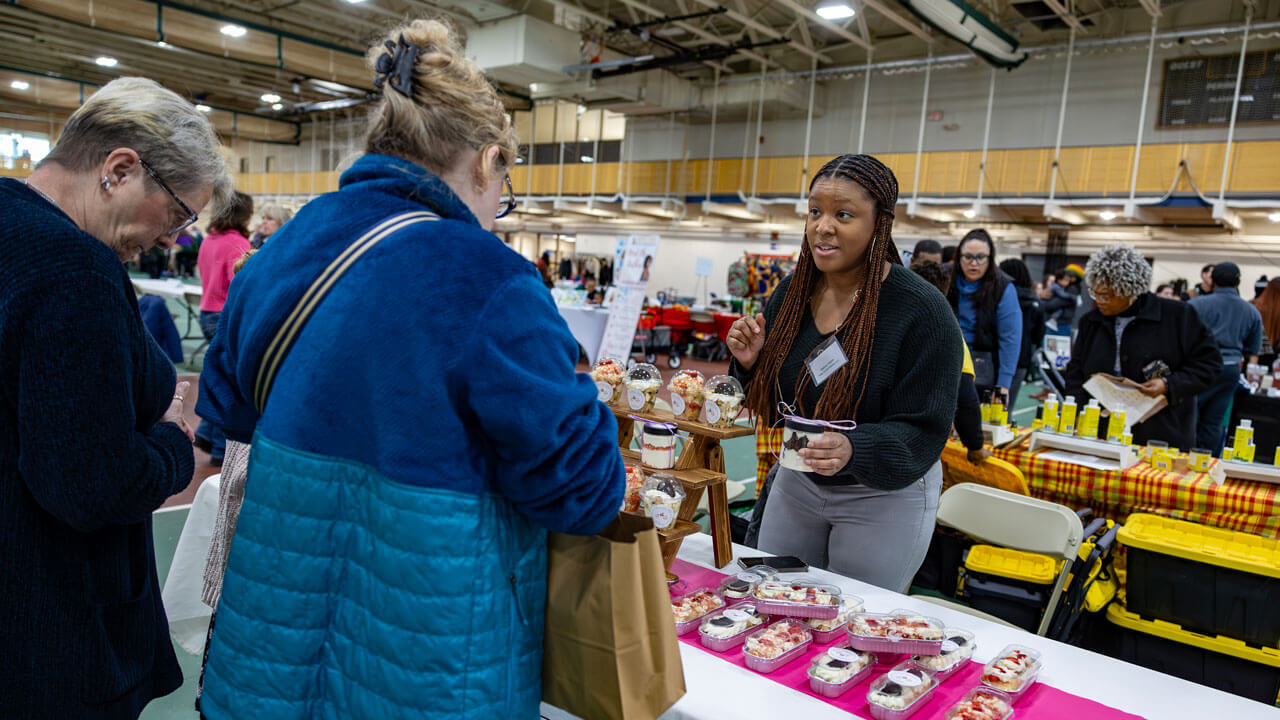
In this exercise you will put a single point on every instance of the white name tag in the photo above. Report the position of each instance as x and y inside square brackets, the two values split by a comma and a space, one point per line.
[825, 360]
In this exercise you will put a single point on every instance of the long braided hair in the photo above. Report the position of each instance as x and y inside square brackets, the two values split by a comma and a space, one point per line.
[840, 399]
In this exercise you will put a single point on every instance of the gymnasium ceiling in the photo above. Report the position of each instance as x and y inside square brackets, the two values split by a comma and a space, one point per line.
[309, 52]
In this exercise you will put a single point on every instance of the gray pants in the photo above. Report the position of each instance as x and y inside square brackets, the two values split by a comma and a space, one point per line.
[876, 536]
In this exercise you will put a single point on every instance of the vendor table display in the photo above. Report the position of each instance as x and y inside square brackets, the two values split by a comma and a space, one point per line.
[1045, 680]
[1185, 494]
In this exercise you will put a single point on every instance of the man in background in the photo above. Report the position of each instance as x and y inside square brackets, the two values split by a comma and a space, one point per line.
[1205, 286]
[926, 251]
[1237, 327]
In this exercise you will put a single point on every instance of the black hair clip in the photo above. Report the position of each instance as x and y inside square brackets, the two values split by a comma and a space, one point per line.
[397, 65]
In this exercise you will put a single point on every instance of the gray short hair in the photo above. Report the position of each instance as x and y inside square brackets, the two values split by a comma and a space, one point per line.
[174, 138]
[279, 213]
[1119, 267]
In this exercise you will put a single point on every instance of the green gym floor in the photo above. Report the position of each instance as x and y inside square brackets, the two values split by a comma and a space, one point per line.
[739, 456]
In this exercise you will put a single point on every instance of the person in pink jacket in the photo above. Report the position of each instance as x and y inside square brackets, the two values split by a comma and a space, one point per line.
[226, 242]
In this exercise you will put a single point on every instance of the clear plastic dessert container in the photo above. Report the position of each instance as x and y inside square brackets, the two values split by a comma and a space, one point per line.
[722, 401]
[608, 375]
[982, 703]
[660, 499]
[1013, 671]
[689, 609]
[728, 628]
[824, 631]
[899, 693]
[898, 632]
[770, 648]
[687, 389]
[737, 588]
[835, 671]
[635, 482]
[801, 599]
[641, 386]
[957, 649]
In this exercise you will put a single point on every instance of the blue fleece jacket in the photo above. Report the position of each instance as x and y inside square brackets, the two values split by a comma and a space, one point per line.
[1008, 326]
[425, 431]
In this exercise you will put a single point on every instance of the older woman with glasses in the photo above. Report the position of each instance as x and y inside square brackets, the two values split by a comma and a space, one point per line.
[391, 546]
[1135, 334]
[92, 436]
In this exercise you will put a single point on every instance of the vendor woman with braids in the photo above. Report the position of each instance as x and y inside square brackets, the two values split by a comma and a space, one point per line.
[854, 335]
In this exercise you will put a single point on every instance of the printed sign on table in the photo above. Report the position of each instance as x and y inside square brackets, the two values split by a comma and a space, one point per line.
[632, 280]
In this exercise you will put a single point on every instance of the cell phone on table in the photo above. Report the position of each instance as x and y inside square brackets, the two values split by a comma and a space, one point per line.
[781, 563]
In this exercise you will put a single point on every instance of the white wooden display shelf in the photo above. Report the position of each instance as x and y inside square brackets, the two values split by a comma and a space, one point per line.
[996, 434]
[1251, 471]
[1126, 455]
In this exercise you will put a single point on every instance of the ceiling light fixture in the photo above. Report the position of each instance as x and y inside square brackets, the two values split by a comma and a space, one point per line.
[970, 213]
[234, 31]
[277, 106]
[106, 61]
[355, 2]
[1107, 215]
[161, 43]
[834, 11]
[1274, 217]
[203, 108]
[587, 159]
[270, 98]
[20, 85]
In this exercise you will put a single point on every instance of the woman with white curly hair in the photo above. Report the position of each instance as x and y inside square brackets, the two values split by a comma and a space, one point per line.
[1134, 334]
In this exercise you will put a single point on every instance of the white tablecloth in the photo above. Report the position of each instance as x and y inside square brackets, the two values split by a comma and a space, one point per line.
[587, 326]
[719, 690]
[168, 288]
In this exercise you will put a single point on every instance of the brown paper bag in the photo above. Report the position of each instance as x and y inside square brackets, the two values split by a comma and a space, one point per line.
[610, 651]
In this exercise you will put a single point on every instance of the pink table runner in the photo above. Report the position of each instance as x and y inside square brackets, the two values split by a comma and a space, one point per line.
[1041, 702]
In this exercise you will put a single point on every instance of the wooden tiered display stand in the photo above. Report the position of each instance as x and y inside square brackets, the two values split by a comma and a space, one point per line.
[700, 468]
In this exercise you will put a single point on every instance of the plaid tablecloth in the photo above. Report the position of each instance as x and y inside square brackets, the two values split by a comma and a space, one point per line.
[1251, 507]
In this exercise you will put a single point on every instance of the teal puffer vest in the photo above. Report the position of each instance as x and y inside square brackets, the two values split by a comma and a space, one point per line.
[414, 602]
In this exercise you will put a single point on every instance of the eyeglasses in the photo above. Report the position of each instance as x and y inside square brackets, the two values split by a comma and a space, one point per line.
[974, 259]
[510, 203]
[191, 217]
[1101, 297]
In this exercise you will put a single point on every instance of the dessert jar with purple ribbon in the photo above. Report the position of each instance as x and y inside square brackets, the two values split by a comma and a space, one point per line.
[658, 444]
[797, 433]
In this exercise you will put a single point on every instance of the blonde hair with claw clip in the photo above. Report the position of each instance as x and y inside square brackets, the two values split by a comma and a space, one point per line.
[453, 107]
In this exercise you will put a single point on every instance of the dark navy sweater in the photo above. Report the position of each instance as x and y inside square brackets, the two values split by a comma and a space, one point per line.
[84, 461]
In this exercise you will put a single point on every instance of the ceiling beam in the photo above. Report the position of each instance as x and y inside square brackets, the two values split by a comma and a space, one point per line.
[1065, 15]
[762, 28]
[631, 10]
[808, 13]
[913, 28]
[1152, 7]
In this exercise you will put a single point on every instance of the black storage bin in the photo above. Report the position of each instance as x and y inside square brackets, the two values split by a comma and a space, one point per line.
[1016, 602]
[941, 567]
[1238, 669]
[1207, 580]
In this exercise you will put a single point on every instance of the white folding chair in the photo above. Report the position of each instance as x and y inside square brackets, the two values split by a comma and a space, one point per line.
[999, 517]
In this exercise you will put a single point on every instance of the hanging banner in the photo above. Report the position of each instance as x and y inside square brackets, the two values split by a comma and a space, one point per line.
[632, 280]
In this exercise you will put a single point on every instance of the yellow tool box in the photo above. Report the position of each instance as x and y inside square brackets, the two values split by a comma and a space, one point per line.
[1204, 579]
[1219, 662]
[1010, 584]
